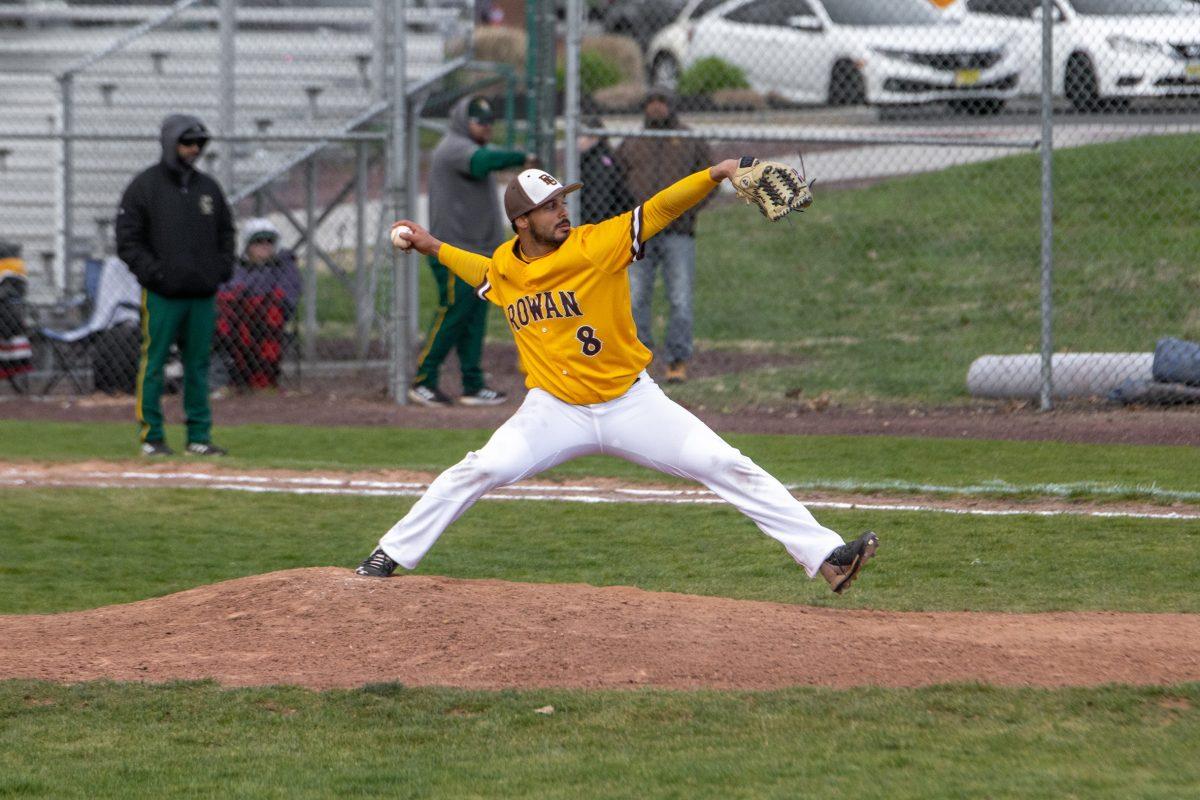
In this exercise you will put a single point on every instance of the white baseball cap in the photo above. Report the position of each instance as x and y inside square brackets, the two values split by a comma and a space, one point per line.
[258, 228]
[530, 189]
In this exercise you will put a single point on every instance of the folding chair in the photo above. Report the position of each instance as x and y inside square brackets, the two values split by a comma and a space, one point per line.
[117, 302]
[293, 351]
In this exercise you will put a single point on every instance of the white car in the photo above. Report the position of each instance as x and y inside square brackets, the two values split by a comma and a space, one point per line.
[1102, 49]
[844, 52]
[669, 47]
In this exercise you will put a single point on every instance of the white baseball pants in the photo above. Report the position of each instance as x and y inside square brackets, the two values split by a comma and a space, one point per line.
[643, 426]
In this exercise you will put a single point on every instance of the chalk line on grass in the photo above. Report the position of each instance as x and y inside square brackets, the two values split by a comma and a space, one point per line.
[325, 485]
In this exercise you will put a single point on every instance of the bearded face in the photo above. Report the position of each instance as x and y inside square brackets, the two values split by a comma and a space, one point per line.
[549, 224]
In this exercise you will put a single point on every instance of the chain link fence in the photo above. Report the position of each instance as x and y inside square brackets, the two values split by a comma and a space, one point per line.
[295, 97]
[929, 273]
[920, 276]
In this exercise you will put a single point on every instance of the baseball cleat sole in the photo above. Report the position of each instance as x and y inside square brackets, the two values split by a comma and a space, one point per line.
[846, 561]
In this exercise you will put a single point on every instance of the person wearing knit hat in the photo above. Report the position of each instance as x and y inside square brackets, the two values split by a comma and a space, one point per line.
[605, 192]
[254, 306]
[649, 162]
[463, 207]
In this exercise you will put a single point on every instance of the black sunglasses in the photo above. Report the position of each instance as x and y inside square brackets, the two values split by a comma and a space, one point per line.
[193, 141]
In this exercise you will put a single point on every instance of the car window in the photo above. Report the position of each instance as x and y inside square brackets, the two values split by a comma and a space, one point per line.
[1132, 7]
[703, 7]
[770, 12]
[1004, 8]
[877, 12]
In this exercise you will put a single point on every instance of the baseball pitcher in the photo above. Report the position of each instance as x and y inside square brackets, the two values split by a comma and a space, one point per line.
[564, 292]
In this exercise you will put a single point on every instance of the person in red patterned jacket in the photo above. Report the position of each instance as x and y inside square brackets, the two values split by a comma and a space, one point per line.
[253, 308]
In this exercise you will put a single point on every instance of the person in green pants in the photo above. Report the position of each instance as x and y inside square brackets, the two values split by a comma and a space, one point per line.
[175, 232]
[464, 207]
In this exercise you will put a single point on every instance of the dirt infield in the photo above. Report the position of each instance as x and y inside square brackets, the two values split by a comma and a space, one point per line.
[325, 627]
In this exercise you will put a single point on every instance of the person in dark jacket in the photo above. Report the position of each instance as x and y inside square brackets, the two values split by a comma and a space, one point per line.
[464, 208]
[605, 193]
[175, 232]
[649, 163]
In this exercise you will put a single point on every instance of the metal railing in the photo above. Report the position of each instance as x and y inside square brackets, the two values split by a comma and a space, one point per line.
[64, 233]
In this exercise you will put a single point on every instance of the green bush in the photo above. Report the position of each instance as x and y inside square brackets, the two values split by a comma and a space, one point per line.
[709, 75]
[595, 72]
[623, 52]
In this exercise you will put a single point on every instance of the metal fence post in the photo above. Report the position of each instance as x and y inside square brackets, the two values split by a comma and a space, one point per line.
[571, 105]
[379, 40]
[1047, 377]
[399, 368]
[364, 303]
[547, 83]
[310, 264]
[532, 18]
[66, 181]
[510, 109]
[412, 184]
[225, 110]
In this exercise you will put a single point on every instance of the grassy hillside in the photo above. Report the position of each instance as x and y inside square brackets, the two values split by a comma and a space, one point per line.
[891, 291]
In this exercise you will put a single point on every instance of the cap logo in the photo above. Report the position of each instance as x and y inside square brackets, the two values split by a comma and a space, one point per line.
[548, 180]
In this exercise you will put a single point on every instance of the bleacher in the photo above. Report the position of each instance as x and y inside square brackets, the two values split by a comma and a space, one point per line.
[299, 71]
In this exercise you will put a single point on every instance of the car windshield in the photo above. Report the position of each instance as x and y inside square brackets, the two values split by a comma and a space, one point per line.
[1122, 8]
[878, 12]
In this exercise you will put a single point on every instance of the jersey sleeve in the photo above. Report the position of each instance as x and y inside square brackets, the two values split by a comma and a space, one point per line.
[615, 243]
[471, 267]
[487, 159]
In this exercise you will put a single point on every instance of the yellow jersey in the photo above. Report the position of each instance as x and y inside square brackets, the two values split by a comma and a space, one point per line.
[569, 310]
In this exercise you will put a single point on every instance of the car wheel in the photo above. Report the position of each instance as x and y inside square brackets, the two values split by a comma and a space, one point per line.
[1080, 84]
[664, 71]
[847, 86]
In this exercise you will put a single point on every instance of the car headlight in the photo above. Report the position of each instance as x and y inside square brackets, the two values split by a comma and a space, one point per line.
[898, 55]
[1126, 44]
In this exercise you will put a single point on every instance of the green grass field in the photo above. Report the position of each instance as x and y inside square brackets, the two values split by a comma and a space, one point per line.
[196, 740]
[64, 549]
[926, 273]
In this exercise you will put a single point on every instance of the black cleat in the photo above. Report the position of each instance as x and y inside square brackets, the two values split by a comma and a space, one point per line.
[842, 566]
[377, 565]
[156, 449]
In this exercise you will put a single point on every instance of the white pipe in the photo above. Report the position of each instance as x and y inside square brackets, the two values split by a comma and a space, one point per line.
[1076, 375]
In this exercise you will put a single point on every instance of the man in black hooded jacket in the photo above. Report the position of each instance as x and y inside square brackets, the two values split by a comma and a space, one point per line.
[175, 232]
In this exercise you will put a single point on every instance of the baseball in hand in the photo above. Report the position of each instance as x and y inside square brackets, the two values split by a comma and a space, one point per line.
[398, 240]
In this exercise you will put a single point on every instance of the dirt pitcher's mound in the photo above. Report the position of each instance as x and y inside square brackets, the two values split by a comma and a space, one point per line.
[327, 627]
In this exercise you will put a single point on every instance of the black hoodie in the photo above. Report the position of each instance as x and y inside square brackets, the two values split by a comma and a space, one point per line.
[174, 228]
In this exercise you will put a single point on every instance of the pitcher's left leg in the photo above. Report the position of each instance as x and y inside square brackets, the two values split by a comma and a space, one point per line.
[543, 433]
[647, 427]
